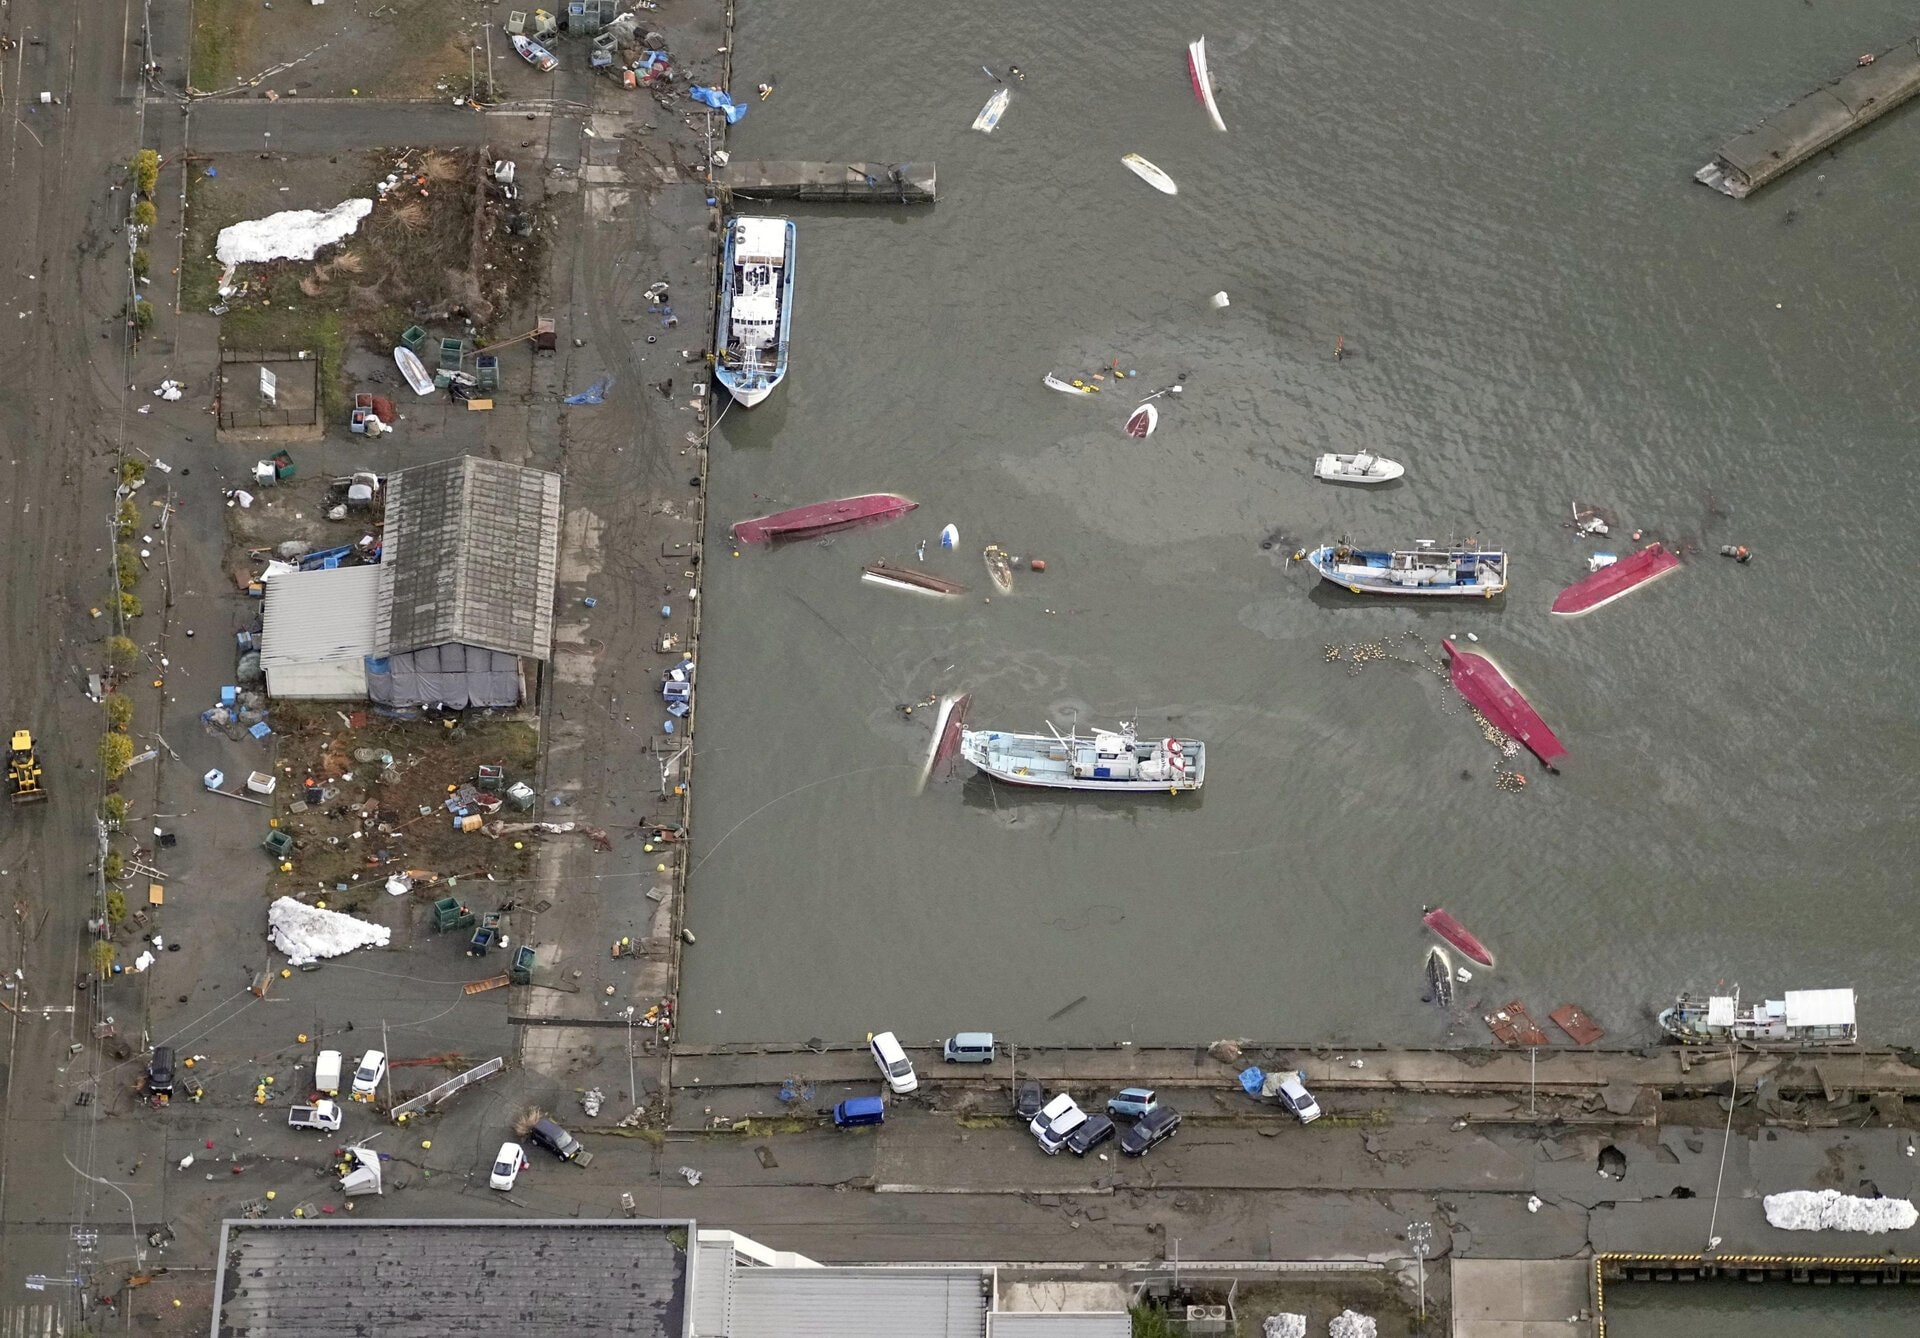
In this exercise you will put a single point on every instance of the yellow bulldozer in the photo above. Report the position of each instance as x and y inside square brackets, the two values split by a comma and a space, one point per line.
[24, 783]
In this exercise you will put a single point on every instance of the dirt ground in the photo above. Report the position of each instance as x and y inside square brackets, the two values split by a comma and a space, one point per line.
[1321, 1298]
[418, 49]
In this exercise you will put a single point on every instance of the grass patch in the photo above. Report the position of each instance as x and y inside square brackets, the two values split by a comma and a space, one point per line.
[282, 318]
[221, 28]
[983, 1121]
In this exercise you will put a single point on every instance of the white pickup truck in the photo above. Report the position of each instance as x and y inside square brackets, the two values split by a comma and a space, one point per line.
[320, 1115]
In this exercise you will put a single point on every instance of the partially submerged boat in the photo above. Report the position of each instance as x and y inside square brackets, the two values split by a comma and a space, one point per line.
[1150, 174]
[1142, 421]
[1450, 929]
[1364, 467]
[756, 308]
[1481, 682]
[1203, 82]
[1421, 570]
[1069, 386]
[535, 55]
[1108, 760]
[1801, 1017]
[990, 114]
[1615, 581]
[1439, 969]
[999, 568]
[948, 724]
[910, 578]
[802, 522]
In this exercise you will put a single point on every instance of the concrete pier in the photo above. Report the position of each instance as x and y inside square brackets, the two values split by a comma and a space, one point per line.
[1814, 121]
[855, 183]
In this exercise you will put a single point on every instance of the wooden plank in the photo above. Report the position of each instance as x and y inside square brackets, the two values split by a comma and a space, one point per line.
[156, 895]
[482, 986]
[479, 406]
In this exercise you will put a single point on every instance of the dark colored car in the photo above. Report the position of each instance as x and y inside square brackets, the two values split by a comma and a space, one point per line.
[555, 1140]
[1156, 1126]
[1027, 1099]
[160, 1071]
[1097, 1130]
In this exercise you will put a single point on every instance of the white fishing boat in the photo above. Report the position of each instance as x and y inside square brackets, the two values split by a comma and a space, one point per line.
[413, 369]
[1112, 761]
[1421, 570]
[535, 55]
[756, 308]
[990, 114]
[1069, 386]
[1801, 1017]
[1150, 174]
[1362, 468]
[1203, 82]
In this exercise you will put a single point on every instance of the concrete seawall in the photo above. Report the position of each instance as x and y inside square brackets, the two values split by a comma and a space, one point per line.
[1814, 121]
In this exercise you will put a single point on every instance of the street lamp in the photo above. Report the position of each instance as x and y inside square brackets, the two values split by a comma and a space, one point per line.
[1420, 1241]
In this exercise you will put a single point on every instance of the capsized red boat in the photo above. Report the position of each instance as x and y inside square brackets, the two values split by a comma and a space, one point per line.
[822, 517]
[1481, 683]
[1613, 581]
[1456, 933]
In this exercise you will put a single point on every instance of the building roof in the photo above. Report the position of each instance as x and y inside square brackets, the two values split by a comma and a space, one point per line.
[858, 1302]
[474, 546]
[1060, 1324]
[317, 630]
[428, 1279]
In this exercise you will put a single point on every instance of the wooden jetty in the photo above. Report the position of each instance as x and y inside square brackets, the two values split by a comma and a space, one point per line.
[1814, 121]
[834, 183]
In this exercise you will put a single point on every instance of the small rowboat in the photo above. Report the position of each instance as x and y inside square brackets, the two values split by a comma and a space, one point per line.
[414, 370]
[999, 568]
[1203, 82]
[1142, 421]
[535, 55]
[990, 114]
[1150, 174]
[1456, 933]
[1073, 387]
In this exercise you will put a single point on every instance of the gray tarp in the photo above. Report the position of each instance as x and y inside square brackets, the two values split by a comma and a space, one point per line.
[453, 675]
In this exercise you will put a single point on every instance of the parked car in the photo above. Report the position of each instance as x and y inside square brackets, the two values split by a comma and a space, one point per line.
[893, 1062]
[1294, 1096]
[507, 1166]
[1028, 1098]
[1063, 1116]
[555, 1140]
[1096, 1130]
[1156, 1126]
[366, 1078]
[160, 1071]
[968, 1047]
[1130, 1103]
[857, 1111]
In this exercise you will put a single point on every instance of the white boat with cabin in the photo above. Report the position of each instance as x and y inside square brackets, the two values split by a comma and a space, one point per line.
[1115, 760]
[1799, 1017]
[756, 308]
[1365, 467]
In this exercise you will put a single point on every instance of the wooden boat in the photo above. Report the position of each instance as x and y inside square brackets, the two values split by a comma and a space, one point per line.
[990, 114]
[802, 522]
[1614, 581]
[413, 369]
[1423, 570]
[1456, 933]
[999, 568]
[1481, 682]
[1142, 421]
[910, 578]
[1364, 467]
[756, 308]
[1150, 174]
[535, 55]
[1203, 82]
[1109, 760]
[1802, 1017]
[1074, 386]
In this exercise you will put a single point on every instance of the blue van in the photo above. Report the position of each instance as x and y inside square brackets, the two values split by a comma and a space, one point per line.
[858, 1110]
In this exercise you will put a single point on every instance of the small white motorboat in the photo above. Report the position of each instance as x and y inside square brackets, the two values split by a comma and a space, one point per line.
[1362, 468]
[413, 369]
[1150, 174]
[990, 114]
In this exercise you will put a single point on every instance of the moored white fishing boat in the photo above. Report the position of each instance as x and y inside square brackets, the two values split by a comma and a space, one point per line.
[756, 308]
[1362, 468]
[1107, 761]
[1422, 570]
[1802, 1017]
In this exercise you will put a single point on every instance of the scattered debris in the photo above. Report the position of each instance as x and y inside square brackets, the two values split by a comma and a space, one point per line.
[692, 1176]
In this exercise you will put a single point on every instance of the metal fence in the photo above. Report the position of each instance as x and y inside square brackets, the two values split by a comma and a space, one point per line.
[435, 1095]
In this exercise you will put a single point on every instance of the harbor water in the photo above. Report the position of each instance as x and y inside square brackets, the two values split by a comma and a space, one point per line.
[1491, 204]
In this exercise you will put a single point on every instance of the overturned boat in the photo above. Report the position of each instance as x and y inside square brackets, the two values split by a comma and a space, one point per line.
[803, 522]
[1800, 1017]
[756, 308]
[1421, 570]
[1108, 760]
[1614, 580]
[1442, 923]
[1481, 682]
[915, 579]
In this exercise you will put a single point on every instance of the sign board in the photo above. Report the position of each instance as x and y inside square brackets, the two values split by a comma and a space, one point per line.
[269, 386]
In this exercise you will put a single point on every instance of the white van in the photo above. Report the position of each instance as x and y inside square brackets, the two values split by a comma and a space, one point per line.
[893, 1062]
[326, 1073]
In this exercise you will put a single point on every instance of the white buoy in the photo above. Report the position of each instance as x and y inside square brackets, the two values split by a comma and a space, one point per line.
[1219, 301]
[950, 537]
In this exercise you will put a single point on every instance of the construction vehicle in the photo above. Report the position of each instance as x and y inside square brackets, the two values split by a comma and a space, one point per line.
[24, 784]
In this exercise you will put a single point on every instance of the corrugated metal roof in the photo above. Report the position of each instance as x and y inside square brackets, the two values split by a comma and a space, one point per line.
[474, 546]
[859, 1303]
[1060, 1324]
[712, 1284]
[316, 631]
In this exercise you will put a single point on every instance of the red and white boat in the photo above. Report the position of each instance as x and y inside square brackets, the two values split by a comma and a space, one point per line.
[1615, 580]
[1450, 929]
[1203, 82]
[802, 522]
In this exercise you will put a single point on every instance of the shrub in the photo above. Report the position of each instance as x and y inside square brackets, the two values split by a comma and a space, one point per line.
[122, 654]
[119, 712]
[133, 470]
[142, 263]
[116, 906]
[143, 315]
[104, 956]
[126, 519]
[113, 810]
[145, 215]
[114, 865]
[129, 604]
[116, 755]
[146, 170]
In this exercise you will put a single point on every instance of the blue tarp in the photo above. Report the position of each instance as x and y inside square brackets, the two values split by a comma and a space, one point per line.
[1252, 1080]
[719, 101]
[593, 394]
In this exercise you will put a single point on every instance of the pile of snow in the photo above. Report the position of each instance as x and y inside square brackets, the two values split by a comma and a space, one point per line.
[170, 389]
[307, 933]
[1830, 1210]
[296, 234]
[1284, 1326]
[1347, 1324]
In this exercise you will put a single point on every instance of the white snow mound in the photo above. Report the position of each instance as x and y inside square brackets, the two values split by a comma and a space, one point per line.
[1830, 1210]
[1284, 1325]
[1348, 1324]
[296, 234]
[307, 933]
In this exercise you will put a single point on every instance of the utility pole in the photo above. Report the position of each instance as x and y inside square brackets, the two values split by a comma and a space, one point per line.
[389, 1056]
[489, 64]
[1420, 1240]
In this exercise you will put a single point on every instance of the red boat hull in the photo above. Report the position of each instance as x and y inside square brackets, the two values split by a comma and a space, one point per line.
[1456, 933]
[1610, 583]
[1499, 701]
[822, 517]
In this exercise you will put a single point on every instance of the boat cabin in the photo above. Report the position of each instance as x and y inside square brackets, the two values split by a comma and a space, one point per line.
[759, 256]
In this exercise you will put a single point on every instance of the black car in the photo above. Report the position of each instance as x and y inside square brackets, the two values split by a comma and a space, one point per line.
[1155, 1126]
[160, 1071]
[555, 1140]
[1097, 1130]
[1027, 1100]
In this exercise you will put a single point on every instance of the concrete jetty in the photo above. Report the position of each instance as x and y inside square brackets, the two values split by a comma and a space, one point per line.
[852, 183]
[1814, 121]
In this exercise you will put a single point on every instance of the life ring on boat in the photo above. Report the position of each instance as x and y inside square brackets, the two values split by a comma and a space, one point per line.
[1176, 756]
